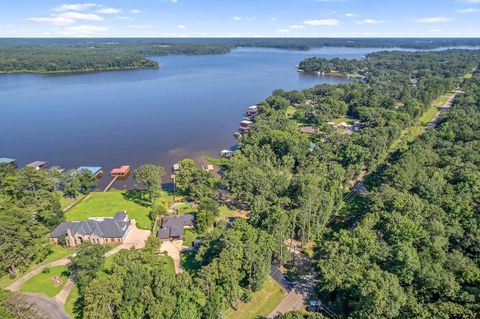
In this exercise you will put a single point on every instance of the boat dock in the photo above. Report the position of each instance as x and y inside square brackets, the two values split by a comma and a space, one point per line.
[110, 184]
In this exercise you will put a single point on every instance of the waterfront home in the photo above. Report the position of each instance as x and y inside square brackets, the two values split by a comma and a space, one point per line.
[172, 227]
[95, 170]
[226, 153]
[37, 165]
[8, 161]
[121, 171]
[176, 167]
[252, 110]
[95, 230]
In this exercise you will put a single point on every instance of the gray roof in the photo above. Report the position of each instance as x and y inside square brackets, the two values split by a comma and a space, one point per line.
[178, 221]
[120, 216]
[172, 226]
[36, 164]
[102, 227]
[308, 130]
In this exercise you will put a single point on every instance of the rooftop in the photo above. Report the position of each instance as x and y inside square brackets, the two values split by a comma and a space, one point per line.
[92, 169]
[121, 170]
[6, 160]
[36, 164]
[114, 227]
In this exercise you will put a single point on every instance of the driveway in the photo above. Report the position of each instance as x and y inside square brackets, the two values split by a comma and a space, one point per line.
[135, 238]
[173, 249]
[48, 307]
[15, 286]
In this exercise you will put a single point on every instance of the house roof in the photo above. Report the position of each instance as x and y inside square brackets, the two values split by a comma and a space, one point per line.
[36, 164]
[172, 226]
[92, 169]
[6, 160]
[102, 227]
[308, 129]
[178, 221]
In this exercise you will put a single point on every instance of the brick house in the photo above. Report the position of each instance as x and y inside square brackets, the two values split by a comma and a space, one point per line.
[95, 230]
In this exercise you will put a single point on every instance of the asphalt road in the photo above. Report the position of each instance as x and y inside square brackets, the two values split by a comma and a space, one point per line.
[48, 307]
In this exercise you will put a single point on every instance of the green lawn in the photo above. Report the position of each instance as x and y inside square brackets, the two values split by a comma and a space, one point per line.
[185, 208]
[441, 100]
[107, 204]
[263, 302]
[428, 115]
[348, 120]
[291, 110]
[58, 252]
[43, 284]
[190, 236]
[468, 76]
[70, 304]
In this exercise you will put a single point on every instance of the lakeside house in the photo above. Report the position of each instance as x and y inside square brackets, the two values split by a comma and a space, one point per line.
[121, 171]
[173, 227]
[37, 165]
[95, 230]
[8, 161]
[226, 153]
[95, 170]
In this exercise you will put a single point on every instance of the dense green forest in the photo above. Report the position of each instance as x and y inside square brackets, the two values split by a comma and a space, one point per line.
[406, 249]
[81, 55]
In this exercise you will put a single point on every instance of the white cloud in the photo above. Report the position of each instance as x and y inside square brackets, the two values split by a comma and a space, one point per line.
[370, 21]
[81, 16]
[435, 30]
[273, 19]
[181, 26]
[243, 18]
[297, 26]
[139, 26]
[53, 20]
[135, 11]
[109, 10]
[433, 20]
[123, 18]
[468, 10]
[322, 22]
[349, 14]
[469, 1]
[283, 30]
[75, 6]
[84, 30]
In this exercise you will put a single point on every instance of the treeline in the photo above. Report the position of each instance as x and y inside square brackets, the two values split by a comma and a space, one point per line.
[415, 251]
[30, 208]
[232, 263]
[82, 55]
[292, 183]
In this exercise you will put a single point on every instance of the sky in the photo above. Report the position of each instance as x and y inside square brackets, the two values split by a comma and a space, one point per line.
[240, 18]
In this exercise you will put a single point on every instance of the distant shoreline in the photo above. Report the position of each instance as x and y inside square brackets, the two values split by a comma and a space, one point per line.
[66, 72]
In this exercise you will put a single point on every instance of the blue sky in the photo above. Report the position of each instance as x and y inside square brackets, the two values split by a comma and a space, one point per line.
[240, 18]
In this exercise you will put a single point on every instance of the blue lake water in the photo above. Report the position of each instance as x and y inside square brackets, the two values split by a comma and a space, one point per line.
[188, 108]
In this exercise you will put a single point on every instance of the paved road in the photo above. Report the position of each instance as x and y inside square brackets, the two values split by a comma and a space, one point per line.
[62, 296]
[48, 307]
[298, 293]
[173, 249]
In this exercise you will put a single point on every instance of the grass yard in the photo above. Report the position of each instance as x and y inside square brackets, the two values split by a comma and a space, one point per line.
[348, 120]
[185, 208]
[43, 284]
[190, 236]
[468, 76]
[107, 204]
[441, 100]
[58, 252]
[428, 115]
[70, 304]
[291, 110]
[263, 302]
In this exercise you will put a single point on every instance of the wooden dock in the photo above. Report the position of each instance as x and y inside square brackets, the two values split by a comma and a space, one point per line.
[110, 184]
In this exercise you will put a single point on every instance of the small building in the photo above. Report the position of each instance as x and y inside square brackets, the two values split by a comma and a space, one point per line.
[226, 153]
[8, 161]
[95, 170]
[95, 230]
[343, 126]
[121, 171]
[308, 130]
[172, 227]
[246, 123]
[176, 167]
[37, 165]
